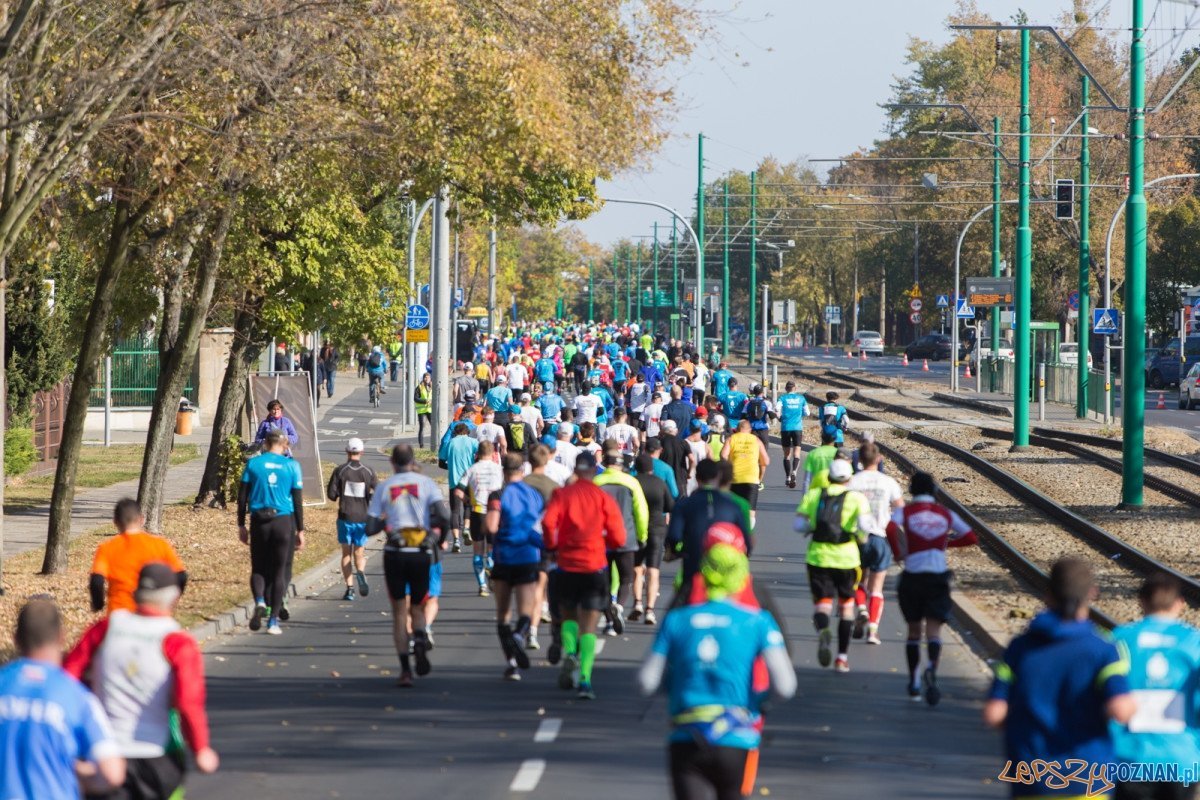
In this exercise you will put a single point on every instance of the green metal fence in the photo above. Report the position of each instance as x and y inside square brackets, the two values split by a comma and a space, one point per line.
[134, 376]
[1061, 385]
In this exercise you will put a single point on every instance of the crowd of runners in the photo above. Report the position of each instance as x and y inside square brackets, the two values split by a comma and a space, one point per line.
[582, 459]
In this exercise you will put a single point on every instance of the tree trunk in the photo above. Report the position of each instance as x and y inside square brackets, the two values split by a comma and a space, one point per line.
[174, 368]
[244, 350]
[125, 221]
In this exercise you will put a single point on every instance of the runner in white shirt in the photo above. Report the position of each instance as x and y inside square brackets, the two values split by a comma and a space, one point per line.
[700, 452]
[623, 434]
[565, 453]
[639, 398]
[652, 415]
[586, 405]
[532, 414]
[517, 375]
[558, 472]
[700, 381]
[885, 496]
[478, 482]
[489, 431]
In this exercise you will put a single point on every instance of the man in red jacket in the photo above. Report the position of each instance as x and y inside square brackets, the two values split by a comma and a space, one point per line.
[582, 523]
[142, 665]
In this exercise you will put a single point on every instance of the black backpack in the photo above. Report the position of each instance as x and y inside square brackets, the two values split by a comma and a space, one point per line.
[756, 410]
[375, 361]
[828, 529]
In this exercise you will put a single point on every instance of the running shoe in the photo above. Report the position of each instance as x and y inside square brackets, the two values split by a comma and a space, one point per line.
[363, 587]
[533, 644]
[428, 637]
[512, 674]
[274, 629]
[466, 539]
[284, 614]
[616, 616]
[636, 613]
[842, 664]
[585, 691]
[349, 595]
[258, 615]
[483, 592]
[566, 673]
[791, 482]
[860, 622]
[609, 630]
[516, 642]
[873, 634]
[825, 647]
[405, 681]
[546, 618]
[933, 694]
[554, 654]
[762, 486]
[651, 619]
[914, 692]
[420, 646]
[457, 547]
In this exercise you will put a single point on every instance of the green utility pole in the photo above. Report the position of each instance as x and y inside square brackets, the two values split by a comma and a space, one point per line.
[628, 289]
[638, 290]
[654, 293]
[699, 329]
[1023, 361]
[1133, 379]
[616, 283]
[676, 330]
[992, 372]
[753, 257]
[1085, 256]
[725, 278]
[591, 293]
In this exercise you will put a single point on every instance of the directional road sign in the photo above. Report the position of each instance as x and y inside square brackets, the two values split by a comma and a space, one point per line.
[417, 318]
[833, 315]
[458, 297]
[965, 311]
[915, 304]
[943, 301]
[1073, 301]
[1105, 321]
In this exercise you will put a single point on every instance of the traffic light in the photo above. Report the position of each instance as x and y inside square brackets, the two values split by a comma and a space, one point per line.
[1064, 199]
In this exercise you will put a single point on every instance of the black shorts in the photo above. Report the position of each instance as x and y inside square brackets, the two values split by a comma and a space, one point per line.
[457, 510]
[515, 574]
[589, 591]
[746, 491]
[791, 438]
[650, 554]
[478, 528]
[830, 582]
[727, 773]
[924, 595]
[407, 575]
[160, 776]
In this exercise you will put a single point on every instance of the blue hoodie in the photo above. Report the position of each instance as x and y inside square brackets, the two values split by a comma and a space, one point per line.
[519, 537]
[1057, 678]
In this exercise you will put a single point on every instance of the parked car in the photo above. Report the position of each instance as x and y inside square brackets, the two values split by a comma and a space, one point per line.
[1165, 368]
[869, 342]
[933, 346]
[1005, 351]
[1068, 354]
[1189, 389]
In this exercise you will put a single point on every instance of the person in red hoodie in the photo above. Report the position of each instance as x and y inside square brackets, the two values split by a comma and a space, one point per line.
[142, 666]
[582, 524]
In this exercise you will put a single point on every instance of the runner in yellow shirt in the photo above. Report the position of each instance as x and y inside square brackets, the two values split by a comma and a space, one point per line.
[748, 456]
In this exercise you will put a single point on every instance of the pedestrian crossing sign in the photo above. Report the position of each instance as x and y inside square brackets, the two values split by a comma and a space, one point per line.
[1104, 321]
[965, 311]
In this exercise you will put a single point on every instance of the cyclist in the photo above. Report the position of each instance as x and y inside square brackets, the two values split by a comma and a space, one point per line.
[120, 559]
[272, 492]
[884, 495]
[920, 532]
[748, 456]
[581, 524]
[635, 514]
[350, 486]
[793, 408]
[410, 508]
[838, 520]
[833, 418]
[707, 653]
[480, 480]
[376, 366]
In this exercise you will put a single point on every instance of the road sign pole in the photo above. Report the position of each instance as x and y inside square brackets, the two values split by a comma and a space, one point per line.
[676, 329]
[1023, 298]
[753, 258]
[699, 242]
[1085, 257]
[1133, 379]
[628, 289]
[591, 292]
[616, 279]
[440, 320]
[993, 373]
[654, 293]
[725, 278]
[637, 272]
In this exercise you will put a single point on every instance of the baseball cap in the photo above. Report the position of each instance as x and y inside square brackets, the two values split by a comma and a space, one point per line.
[725, 533]
[585, 462]
[355, 445]
[156, 575]
[468, 395]
[669, 426]
[840, 470]
[501, 378]
[526, 396]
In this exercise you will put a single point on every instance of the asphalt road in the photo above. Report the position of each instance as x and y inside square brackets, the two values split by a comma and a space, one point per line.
[314, 713]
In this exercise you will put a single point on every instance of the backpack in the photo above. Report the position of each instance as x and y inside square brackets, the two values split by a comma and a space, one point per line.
[375, 361]
[828, 529]
[831, 420]
[756, 410]
[516, 435]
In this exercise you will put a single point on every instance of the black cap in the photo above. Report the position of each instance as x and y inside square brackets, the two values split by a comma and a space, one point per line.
[156, 575]
[585, 462]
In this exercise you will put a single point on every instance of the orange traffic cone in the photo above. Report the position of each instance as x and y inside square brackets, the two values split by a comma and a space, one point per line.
[1162, 402]
[925, 365]
[863, 354]
[967, 374]
[904, 362]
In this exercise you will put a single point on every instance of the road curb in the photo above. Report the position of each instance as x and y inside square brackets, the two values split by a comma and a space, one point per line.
[231, 619]
[971, 402]
[977, 628]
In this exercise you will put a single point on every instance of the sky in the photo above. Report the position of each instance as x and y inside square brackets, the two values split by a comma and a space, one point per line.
[791, 79]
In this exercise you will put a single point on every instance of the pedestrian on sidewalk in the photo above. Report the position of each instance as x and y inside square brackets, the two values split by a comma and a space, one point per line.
[423, 405]
[351, 486]
[329, 361]
[395, 348]
[276, 420]
[120, 559]
[144, 668]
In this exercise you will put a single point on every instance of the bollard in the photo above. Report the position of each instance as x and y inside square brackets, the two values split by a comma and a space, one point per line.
[1041, 392]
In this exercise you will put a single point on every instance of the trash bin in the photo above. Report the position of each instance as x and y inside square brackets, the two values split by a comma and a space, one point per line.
[183, 418]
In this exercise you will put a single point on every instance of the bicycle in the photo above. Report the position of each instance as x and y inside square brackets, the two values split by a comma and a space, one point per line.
[373, 389]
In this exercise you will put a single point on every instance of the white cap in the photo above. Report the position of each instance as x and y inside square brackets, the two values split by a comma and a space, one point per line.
[501, 378]
[355, 445]
[669, 426]
[840, 470]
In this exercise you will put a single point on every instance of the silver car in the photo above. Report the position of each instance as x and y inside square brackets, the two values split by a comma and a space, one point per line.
[869, 342]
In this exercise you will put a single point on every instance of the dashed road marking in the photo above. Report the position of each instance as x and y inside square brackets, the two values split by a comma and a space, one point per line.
[528, 775]
[340, 420]
[548, 730]
[379, 421]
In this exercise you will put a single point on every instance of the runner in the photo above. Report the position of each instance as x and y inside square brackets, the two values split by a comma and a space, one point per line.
[838, 520]
[920, 532]
[748, 456]
[492, 431]
[272, 491]
[539, 478]
[565, 453]
[720, 380]
[884, 495]
[410, 508]
[551, 405]
[707, 653]
[625, 435]
[580, 524]
[119, 559]
[587, 405]
[514, 520]
[816, 463]
[697, 430]
[460, 455]
[350, 486]
[1059, 684]
[760, 412]
[44, 755]
[833, 418]
[793, 408]
[477, 484]
[635, 514]
[652, 417]
[647, 563]
[734, 401]
[146, 671]
[694, 515]
[638, 396]
[654, 449]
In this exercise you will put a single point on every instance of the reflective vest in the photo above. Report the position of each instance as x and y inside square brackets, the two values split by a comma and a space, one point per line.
[423, 400]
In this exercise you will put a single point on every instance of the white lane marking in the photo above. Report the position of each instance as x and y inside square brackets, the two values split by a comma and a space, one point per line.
[340, 420]
[548, 730]
[528, 775]
[379, 421]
